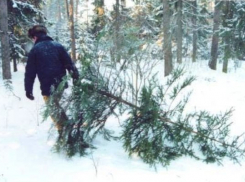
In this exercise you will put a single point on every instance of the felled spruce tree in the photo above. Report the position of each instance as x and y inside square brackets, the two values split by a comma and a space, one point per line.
[87, 110]
[159, 134]
[157, 129]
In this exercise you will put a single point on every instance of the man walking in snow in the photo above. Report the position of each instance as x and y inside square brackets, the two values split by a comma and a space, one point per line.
[48, 60]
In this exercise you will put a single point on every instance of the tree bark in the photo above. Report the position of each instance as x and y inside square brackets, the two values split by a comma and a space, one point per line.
[227, 39]
[167, 44]
[117, 39]
[76, 13]
[72, 30]
[215, 39]
[67, 8]
[5, 40]
[194, 28]
[115, 55]
[59, 10]
[179, 31]
[15, 65]
[57, 25]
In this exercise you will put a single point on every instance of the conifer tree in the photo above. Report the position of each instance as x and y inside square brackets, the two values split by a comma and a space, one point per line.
[22, 15]
[198, 34]
[232, 43]
[227, 34]
[98, 21]
[238, 25]
[157, 128]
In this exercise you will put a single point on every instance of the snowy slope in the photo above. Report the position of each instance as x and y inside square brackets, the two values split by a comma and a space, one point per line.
[25, 142]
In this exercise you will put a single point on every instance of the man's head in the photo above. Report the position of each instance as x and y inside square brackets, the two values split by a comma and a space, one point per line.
[37, 31]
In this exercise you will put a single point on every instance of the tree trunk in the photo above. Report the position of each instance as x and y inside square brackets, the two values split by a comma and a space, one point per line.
[117, 39]
[226, 58]
[227, 39]
[5, 40]
[215, 39]
[58, 23]
[179, 31]
[115, 55]
[194, 28]
[72, 30]
[167, 44]
[59, 10]
[67, 8]
[76, 13]
[15, 65]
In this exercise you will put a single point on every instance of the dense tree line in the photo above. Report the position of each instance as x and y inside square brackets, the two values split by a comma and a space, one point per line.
[179, 24]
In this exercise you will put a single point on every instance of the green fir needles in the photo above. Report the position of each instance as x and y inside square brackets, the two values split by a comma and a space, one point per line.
[159, 135]
[158, 129]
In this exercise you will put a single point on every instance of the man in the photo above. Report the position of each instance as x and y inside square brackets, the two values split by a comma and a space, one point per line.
[48, 60]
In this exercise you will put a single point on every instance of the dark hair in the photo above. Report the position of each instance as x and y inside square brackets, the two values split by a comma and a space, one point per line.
[37, 30]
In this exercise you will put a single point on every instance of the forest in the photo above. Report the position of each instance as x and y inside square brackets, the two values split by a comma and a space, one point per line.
[131, 56]
[189, 28]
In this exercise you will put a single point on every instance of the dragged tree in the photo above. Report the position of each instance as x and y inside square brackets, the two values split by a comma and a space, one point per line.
[157, 127]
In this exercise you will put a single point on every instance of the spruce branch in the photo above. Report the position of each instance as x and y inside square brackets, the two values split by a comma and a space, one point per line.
[155, 132]
[199, 134]
[164, 119]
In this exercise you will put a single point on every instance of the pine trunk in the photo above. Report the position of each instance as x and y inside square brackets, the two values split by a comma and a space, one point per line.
[115, 55]
[67, 8]
[167, 47]
[5, 40]
[57, 26]
[179, 32]
[72, 30]
[194, 21]
[117, 39]
[59, 11]
[76, 13]
[227, 39]
[215, 39]
[15, 65]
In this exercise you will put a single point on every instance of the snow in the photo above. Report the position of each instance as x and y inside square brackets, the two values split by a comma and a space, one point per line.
[26, 144]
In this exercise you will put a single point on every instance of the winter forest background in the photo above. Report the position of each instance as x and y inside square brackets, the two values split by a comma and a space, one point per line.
[193, 30]
[137, 60]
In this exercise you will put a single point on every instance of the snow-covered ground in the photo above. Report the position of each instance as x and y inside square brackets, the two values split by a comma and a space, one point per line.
[25, 142]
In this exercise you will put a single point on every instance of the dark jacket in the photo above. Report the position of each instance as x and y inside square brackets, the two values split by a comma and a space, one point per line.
[49, 61]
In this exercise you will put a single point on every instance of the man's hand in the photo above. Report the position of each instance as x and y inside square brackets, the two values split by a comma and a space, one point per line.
[29, 96]
[73, 72]
[75, 76]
